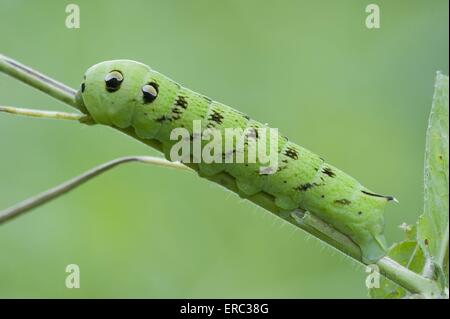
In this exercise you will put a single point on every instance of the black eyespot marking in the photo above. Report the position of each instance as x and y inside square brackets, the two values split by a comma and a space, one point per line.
[343, 201]
[328, 171]
[150, 92]
[359, 213]
[113, 80]
[83, 87]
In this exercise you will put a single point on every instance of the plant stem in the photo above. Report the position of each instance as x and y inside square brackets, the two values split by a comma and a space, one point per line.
[65, 187]
[39, 81]
[408, 279]
[44, 114]
[402, 276]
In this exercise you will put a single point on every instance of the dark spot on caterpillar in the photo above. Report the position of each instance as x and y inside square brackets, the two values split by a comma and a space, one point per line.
[229, 154]
[181, 101]
[440, 157]
[426, 242]
[359, 213]
[113, 80]
[322, 196]
[285, 182]
[285, 161]
[145, 113]
[176, 113]
[280, 168]
[291, 152]
[328, 171]
[305, 187]
[389, 198]
[343, 201]
[83, 87]
[252, 132]
[216, 117]
[246, 117]
[162, 119]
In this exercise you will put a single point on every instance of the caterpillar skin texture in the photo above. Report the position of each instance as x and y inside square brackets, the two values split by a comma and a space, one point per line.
[129, 95]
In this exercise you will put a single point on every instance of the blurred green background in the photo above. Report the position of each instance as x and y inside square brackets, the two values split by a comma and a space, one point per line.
[358, 97]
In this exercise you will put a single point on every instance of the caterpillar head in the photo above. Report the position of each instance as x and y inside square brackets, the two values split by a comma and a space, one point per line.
[124, 93]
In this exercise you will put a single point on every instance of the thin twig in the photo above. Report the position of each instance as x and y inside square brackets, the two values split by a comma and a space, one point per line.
[67, 186]
[44, 114]
[39, 81]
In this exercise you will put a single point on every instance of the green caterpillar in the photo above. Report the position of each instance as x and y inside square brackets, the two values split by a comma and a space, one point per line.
[131, 96]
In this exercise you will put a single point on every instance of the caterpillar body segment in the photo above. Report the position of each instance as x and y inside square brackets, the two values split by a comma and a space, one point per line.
[133, 97]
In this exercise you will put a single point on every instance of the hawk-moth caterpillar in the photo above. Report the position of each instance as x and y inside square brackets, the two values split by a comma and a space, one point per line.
[131, 96]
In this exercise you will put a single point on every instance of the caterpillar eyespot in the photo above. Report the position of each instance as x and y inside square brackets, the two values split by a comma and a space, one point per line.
[150, 92]
[303, 181]
[113, 80]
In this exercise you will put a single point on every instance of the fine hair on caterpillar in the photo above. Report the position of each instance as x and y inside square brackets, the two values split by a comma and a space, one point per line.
[230, 145]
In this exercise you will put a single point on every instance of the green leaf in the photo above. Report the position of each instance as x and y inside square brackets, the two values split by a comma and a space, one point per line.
[432, 229]
[427, 243]
[407, 253]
